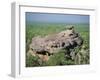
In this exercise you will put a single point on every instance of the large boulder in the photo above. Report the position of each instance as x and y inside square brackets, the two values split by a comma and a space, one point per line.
[51, 44]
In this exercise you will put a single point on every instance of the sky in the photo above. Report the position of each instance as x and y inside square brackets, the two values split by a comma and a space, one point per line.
[56, 18]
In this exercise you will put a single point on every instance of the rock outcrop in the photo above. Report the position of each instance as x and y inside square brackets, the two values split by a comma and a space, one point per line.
[51, 44]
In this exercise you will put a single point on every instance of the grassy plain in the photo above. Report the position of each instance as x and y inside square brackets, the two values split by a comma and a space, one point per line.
[43, 29]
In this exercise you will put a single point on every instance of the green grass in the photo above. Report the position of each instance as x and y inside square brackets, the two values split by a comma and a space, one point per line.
[43, 29]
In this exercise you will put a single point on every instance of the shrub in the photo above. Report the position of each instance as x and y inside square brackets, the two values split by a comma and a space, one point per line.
[32, 61]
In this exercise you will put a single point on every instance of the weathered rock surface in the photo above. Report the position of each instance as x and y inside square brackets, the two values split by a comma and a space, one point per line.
[51, 44]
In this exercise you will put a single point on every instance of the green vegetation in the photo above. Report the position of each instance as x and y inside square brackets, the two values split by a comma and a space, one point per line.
[43, 29]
